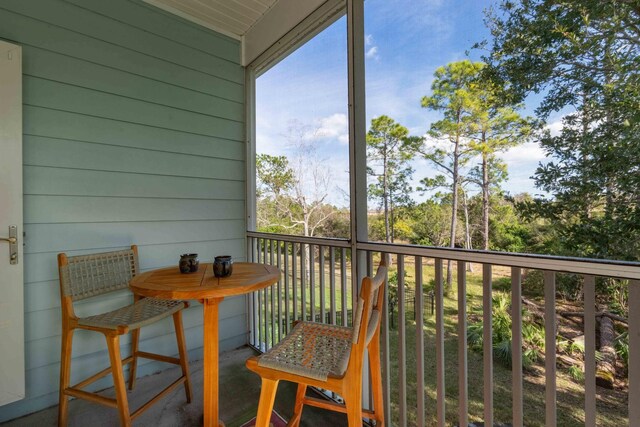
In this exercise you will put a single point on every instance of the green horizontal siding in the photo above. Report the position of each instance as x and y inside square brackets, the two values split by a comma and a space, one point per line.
[133, 134]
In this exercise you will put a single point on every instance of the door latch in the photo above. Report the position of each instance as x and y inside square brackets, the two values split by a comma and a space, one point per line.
[13, 244]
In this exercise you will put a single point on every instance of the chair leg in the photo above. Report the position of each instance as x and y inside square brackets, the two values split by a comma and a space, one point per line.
[182, 349]
[297, 409]
[267, 397]
[65, 373]
[353, 403]
[113, 344]
[376, 380]
[135, 340]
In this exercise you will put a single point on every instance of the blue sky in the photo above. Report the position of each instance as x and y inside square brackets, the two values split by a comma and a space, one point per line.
[406, 40]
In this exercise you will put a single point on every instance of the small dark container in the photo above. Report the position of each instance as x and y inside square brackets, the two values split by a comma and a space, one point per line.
[189, 263]
[222, 266]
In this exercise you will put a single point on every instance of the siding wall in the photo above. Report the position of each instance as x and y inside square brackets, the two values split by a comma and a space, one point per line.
[133, 130]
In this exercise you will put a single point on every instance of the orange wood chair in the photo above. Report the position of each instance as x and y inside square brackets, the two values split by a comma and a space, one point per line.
[88, 276]
[329, 357]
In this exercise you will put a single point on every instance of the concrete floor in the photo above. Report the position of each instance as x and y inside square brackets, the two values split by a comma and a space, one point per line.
[239, 394]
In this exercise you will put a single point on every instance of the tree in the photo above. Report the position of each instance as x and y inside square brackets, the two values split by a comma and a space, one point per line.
[452, 96]
[584, 57]
[389, 150]
[495, 126]
[292, 191]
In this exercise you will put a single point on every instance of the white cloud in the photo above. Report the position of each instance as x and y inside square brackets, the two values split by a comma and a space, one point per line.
[527, 153]
[335, 126]
[368, 39]
[372, 52]
[555, 127]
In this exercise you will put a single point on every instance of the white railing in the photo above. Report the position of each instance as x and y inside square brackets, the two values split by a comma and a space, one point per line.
[318, 284]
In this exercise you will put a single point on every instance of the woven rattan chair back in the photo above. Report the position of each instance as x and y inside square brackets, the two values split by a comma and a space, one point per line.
[369, 306]
[87, 276]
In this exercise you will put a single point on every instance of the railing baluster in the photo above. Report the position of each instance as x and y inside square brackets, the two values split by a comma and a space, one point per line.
[303, 280]
[272, 291]
[259, 298]
[589, 351]
[550, 347]
[634, 350]
[251, 296]
[343, 285]
[312, 281]
[385, 362]
[332, 283]
[419, 313]
[294, 280]
[463, 389]
[402, 356]
[279, 265]
[516, 347]
[487, 342]
[323, 308]
[287, 323]
[440, 390]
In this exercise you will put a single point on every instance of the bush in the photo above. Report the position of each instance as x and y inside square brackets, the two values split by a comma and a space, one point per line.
[532, 334]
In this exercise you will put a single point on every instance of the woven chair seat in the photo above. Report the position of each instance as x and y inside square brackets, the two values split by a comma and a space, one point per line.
[313, 350]
[134, 316]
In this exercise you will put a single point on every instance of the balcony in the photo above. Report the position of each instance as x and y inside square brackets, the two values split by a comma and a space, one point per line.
[135, 123]
[427, 371]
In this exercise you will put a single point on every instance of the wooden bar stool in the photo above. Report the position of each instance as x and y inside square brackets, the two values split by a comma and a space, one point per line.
[329, 357]
[87, 276]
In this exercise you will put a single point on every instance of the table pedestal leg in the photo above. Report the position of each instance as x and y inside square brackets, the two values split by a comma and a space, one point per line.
[210, 342]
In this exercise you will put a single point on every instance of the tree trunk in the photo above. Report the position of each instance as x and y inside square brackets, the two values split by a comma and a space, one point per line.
[485, 201]
[454, 211]
[385, 200]
[606, 366]
[467, 231]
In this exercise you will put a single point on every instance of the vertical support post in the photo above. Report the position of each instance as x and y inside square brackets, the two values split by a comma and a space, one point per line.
[287, 323]
[516, 347]
[634, 350]
[332, 283]
[419, 313]
[463, 388]
[590, 351]
[550, 348]
[321, 275]
[402, 350]
[440, 390]
[303, 280]
[487, 342]
[294, 279]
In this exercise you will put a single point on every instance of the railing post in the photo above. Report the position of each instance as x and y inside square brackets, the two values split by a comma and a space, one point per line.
[487, 338]
[634, 351]
[440, 390]
[589, 351]
[516, 347]
[463, 387]
[550, 347]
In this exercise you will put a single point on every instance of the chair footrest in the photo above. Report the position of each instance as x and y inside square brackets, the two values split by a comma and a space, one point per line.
[158, 357]
[93, 397]
[333, 406]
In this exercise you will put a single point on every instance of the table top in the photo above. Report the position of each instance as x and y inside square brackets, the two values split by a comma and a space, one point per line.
[169, 283]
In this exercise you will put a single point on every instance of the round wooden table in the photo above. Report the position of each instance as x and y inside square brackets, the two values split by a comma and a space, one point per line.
[169, 283]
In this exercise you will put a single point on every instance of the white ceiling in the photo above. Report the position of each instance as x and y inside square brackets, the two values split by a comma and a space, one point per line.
[231, 17]
[258, 24]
